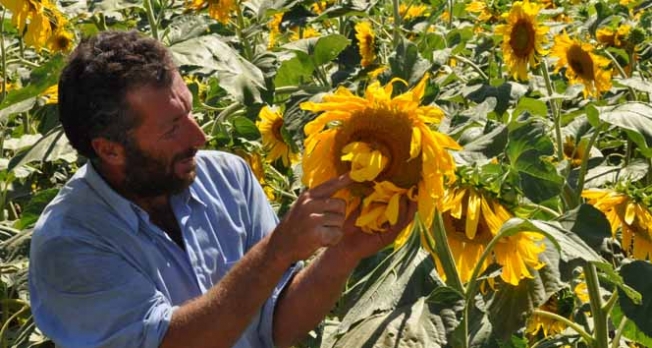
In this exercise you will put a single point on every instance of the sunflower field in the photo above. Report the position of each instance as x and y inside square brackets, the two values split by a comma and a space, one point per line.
[522, 130]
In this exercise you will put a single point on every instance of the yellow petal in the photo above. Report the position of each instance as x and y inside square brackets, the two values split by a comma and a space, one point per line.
[630, 213]
[472, 214]
[415, 144]
[393, 209]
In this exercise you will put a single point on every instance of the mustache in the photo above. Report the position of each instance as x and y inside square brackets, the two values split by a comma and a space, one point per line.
[185, 155]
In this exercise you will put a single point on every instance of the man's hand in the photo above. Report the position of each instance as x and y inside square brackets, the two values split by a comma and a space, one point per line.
[314, 221]
[358, 245]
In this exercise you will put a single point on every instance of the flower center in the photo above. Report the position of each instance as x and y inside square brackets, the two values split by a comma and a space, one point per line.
[276, 129]
[389, 132]
[580, 61]
[522, 38]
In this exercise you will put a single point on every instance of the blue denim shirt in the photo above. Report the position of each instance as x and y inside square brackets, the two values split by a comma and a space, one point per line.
[102, 275]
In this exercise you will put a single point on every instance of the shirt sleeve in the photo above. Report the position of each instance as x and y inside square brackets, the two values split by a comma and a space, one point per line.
[85, 296]
[263, 222]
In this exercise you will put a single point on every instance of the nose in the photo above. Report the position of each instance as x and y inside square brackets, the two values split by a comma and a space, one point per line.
[196, 135]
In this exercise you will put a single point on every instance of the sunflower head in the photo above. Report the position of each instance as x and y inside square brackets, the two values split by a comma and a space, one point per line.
[387, 145]
[582, 65]
[523, 38]
[271, 129]
[366, 43]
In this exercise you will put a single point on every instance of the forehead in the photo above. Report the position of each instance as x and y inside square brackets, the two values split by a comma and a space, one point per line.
[156, 105]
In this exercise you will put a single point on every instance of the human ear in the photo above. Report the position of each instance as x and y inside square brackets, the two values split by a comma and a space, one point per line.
[110, 152]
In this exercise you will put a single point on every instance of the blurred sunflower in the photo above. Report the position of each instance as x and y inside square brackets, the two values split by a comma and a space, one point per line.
[219, 10]
[387, 145]
[303, 33]
[485, 13]
[582, 65]
[408, 12]
[472, 219]
[617, 38]
[20, 10]
[51, 94]
[633, 217]
[366, 43]
[561, 304]
[574, 152]
[271, 130]
[255, 162]
[274, 27]
[523, 38]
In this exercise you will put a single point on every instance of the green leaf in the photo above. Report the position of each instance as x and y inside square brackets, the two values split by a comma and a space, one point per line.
[328, 48]
[245, 128]
[637, 274]
[590, 224]
[407, 64]
[631, 331]
[420, 324]
[400, 279]
[21, 106]
[528, 143]
[35, 207]
[635, 118]
[53, 146]
[295, 71]
[636, 83]
[40, 79]
[605, 174]
[237, 76]
[531, 105]
[112, 5]
[610, 275]
[185, 28]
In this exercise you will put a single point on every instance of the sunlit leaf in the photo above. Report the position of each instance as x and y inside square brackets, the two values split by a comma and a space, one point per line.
[636, 119]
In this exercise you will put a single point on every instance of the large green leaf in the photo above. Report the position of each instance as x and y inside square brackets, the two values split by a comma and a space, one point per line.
[490, 144]
[407, 63]
[21, 106]
[637, 274]
[53, 146]
[39, 80]
[590, 224]
[295, 71]
[606, 174]
[185, 28]
[328, 48]
[418, 324]
[400, 279]
[528, 144]
[237, 76]
[245, 128]
[630, 331]
[635, 118]
[113, 5]
[34, 207]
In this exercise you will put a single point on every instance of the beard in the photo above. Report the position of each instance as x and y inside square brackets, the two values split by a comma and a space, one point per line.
[149, 176]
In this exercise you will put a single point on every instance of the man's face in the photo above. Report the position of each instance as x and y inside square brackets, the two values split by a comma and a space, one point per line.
[160, 152]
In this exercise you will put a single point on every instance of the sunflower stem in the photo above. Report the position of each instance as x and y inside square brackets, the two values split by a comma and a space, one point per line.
[397, 22]
[615, 343]
[472, 65]
[622, 73]
[556, 117]
[248, 53]
[542, 208]
[4, 56]
[600, 330]
[450, 14]
[151, 18]
[566, 322]
[443, 250]
[585, 161]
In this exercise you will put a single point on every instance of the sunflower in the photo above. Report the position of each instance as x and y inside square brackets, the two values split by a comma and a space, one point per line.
[303, 33]
[366, 43]
[582, 65]
[549, 326]
[274, 26]
[472, 219]
[386, 144]
[219, 10]
[51, 94]
[523, 38]
[633, 217]
[617, 38]
[408, 12]
[271, 129]
[255, 162]
[574, 152]
[485, 13]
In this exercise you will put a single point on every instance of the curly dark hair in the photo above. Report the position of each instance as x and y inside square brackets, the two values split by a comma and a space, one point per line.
[94, 84]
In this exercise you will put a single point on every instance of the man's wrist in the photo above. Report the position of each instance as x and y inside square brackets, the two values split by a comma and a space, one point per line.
[345, 259]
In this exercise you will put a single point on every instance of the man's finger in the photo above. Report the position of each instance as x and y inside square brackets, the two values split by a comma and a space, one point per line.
[328, 188]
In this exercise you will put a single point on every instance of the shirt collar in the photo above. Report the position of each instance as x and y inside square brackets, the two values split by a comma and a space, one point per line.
[124, 208]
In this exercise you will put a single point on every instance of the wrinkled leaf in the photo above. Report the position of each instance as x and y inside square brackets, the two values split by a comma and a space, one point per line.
[635, 118]
[52, 147]
[40, 79]
[21, 106]
[637, 274]
[590, 224]
[113, 5]
[295, 71]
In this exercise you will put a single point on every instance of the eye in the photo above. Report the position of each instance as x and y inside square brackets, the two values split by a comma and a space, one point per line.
[172, 130]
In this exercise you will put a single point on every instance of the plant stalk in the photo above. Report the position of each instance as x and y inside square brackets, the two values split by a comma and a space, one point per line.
[151, 18]
[4, 56]
[566, 322]
[585, 161]
[245, 43]
[619, 333]
[556, 116]
[600, 328]
[397, 22]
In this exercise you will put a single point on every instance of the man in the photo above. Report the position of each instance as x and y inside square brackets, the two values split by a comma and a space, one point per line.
[155, 243]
